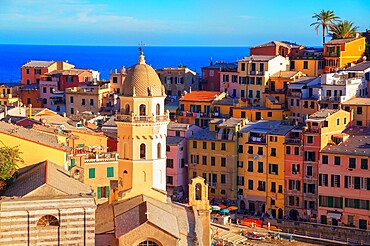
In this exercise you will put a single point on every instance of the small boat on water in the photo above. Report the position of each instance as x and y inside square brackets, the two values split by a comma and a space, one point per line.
[253, 235]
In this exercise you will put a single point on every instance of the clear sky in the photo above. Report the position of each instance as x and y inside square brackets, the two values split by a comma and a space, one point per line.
[170, 22]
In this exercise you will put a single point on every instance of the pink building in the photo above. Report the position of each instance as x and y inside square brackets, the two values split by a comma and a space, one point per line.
[177, 161]
[48, 85]
[229, 82]
[344, 179]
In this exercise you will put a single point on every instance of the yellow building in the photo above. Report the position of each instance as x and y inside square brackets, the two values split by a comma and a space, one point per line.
[274, 110]
[261, 167]
[35, 146]
[89, 98]
[338, 53]
[8, 95]
[213, 156]
[361, 110]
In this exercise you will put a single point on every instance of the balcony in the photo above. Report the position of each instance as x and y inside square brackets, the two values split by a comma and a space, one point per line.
[312, 130]
[212, 184]
[331, 99]
[139, 119]
[294, 94]
[261, 140]
[293, 141]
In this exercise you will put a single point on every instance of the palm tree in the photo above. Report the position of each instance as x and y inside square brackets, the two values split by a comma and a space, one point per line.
[325, 19]
[344, 29]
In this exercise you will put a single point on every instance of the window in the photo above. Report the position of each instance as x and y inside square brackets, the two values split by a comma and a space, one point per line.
[273, 139]
[240, 164]
[243, 67]
[142, 151]
[352, 163]
[44, 89]
[309, 156]
[69, 79]
[194, 144]
[44, 101]
[260, 151]
[310, 139]
[291, 102]
[242, 114]
[250, 166]
[269, 114]
[337, 160]
[273, 169]
[287, 150]
[250, 184]
[325, 159]
[260, 167]
[72, 110]
[359, 110]
[223, 192]
[280, 190]
[261, 186]
[110, 172]
[223, 179]
[292, 65]
[204, 145]
[345, 120]
[309, 188]
[169, 180]
[83, 101]
[273, 187]
[335, 180]
[364, 164]
[51, 90]
[48, 220]
[250, 149]
[295, 168]
[91, 102]
[240, 180]
[305, 65]
[91, 173]
[204, 160]
[240, 149]
[296, 150]
[273, 151]
[323, 179]
[71, 99]
[223, 146]
[169, 163]
[37, 71]
[223, 162]
[213, 161]
[213, 145]
[309, 170]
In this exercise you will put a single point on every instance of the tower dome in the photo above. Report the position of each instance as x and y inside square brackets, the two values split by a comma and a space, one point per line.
[142, 81]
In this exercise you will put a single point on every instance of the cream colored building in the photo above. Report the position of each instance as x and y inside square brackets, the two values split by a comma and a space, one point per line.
[178, 79]
[88, 98]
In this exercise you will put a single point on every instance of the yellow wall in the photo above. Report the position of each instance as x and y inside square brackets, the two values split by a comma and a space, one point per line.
[250, 113]
[33, 152]
[327, 132]
[352, 52]
[88, 139]
[313, 69]
[364, 117]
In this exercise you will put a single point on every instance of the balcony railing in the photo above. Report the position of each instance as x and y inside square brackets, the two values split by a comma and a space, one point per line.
[257, 73]
[257, 140]
[293, 141]
[311, 129]
[131, 118]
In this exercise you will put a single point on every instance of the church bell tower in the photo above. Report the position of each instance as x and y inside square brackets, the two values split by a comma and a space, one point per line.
[142, 130]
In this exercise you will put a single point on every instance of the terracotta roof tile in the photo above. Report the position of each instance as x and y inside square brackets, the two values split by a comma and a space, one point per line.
[200, 96]
[358, 101]
[340, 41]
[38, 64]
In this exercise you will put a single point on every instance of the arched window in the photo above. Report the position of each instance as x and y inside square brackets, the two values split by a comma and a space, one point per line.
[148, 243]
[48, 220]
[142, 109]
[158, 109]
[198, 192]
[142, 151]
[159, 151]
[127, 109]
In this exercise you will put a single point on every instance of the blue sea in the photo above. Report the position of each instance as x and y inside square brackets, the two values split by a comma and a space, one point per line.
[104, 58]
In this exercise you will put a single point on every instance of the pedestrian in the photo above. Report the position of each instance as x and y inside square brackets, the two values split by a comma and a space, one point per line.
[268, 225]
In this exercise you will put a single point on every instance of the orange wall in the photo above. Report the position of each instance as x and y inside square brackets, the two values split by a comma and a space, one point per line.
[33, 95]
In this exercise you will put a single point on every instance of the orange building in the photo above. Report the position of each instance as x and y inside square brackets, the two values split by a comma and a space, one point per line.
[29, 94]
[339, 53]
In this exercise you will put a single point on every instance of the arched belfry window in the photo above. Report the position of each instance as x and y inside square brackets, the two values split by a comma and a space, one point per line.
[127, 109]
[48, 220]
[142, 109]
[198, 191]
[158, 109]
[142, 151]
[159, 154]
[148, 243]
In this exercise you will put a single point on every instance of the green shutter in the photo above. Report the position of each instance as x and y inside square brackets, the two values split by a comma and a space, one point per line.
[107, 191]
[346, 202]
[110, 172]
[341, 202]
[368, 205]
[357, 203]
[330, 202]
[73, 162]
[91, 173]
[320, 200]
[99, 192]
